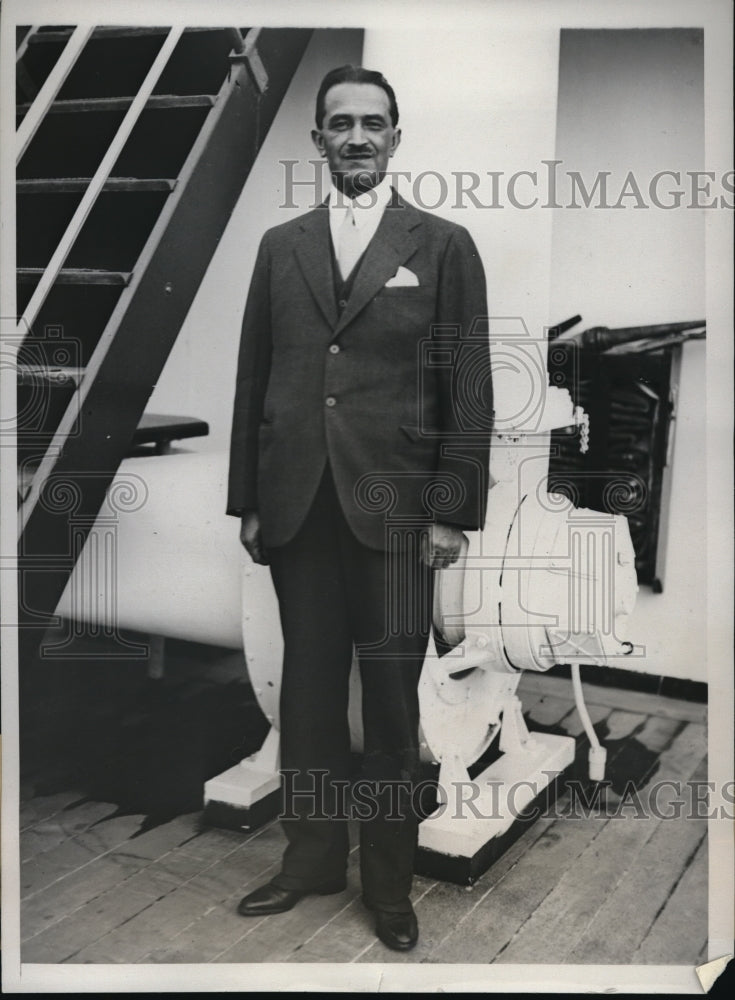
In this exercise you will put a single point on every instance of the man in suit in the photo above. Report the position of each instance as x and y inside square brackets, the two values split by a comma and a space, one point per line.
[360, 447]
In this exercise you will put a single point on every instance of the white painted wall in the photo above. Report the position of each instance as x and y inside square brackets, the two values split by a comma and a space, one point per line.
[484, 99]
[633, 100]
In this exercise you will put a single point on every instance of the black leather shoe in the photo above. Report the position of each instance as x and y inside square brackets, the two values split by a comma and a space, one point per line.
[271, 898]
[399, 931]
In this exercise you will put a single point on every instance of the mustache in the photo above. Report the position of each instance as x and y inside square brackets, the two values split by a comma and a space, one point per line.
[357, 152]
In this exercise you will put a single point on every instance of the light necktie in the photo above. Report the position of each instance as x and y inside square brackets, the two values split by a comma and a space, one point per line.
[350, 245]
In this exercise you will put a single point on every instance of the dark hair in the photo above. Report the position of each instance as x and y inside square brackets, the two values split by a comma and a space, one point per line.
[354, 74]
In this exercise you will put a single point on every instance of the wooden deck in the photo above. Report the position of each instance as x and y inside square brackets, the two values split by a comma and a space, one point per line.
[102, 885]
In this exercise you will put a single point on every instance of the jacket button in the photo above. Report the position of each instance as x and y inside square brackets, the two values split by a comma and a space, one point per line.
[330, 401]
[343, 303]
[334, 348]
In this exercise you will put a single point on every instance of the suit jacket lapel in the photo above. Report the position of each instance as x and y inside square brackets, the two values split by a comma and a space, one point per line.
[315, 260]
[392, 245]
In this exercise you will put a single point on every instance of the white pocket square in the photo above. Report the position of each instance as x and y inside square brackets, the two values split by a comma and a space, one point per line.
[403, 278]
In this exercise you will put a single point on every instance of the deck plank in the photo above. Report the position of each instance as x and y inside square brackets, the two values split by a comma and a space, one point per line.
[130, 940]
[444, 905]
[679, 934]
[64, 825]
[438, 905]
[163, 838]
[488, 927]
[349, 937]
[548, 710]
[212, 844]
[221, 879]
[658, 732]
[107, 911]
[616, 697]
[64, 897]
[276, 938]
[343, 941]
[44, 869]
[67, 898]
[43, 807]
[629, 911]
[621, 724]
[208, 934]
[221, 928]
[556, 925]
[526, 918]
[60, 898]
[572, 723]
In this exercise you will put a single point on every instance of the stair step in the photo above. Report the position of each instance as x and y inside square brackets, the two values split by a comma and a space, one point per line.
[51, 374]
[154, 102]
[72, 145]
[74, 185]
[160, 429]
[111, 31]
[76, 276]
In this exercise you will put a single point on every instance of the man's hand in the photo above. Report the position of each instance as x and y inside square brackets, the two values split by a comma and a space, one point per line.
[443, 545]
[251, 537]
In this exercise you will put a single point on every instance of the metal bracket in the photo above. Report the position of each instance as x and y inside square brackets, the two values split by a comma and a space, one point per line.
[249, 55]
[514, 735]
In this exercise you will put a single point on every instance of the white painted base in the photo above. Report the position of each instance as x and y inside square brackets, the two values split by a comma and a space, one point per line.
[251, 780]
[476, 812]
[242, 785]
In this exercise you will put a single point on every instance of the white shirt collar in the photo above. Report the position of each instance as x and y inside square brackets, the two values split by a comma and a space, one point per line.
[368, 206]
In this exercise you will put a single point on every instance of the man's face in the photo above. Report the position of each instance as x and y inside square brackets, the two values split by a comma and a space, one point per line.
[356, 136]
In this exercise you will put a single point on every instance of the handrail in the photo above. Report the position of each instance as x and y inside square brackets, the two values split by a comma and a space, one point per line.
[22, 77]
[238, 42]
[52, 85]
[246, 50]
[98, 181]
[23, 47]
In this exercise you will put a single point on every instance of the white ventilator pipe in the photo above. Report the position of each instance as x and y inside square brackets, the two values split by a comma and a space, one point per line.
[163, 557]
[598, 754]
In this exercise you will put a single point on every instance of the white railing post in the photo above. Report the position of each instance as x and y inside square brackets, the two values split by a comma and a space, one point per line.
[47, 94]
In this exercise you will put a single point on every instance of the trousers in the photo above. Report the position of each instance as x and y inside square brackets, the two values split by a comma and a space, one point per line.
[336, 594]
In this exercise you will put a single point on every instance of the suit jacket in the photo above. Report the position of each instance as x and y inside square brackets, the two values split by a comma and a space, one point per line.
[394, 390]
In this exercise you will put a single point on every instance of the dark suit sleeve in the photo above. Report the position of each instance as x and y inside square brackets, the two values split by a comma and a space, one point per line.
[253, 369]
[465, 385]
